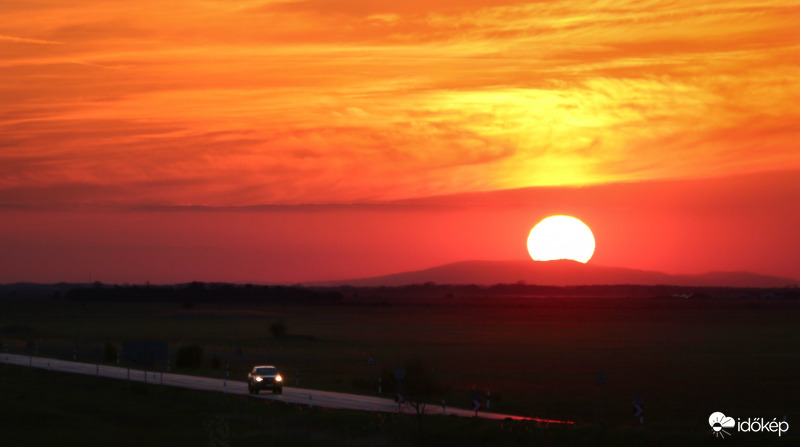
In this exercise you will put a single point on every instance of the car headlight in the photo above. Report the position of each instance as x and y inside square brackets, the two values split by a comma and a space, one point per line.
[259, 379]
[278, 378]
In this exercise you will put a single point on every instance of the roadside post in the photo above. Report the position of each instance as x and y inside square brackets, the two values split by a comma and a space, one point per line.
[638, 409]
[398, 397]
[399, 375]
[475, 395]
[601, 380]
[225, 381]
[370, 365]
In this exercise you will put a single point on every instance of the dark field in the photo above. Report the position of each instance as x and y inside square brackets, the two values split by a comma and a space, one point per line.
[538, 356]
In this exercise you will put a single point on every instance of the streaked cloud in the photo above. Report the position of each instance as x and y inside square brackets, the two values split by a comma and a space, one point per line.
[220, 103]
[16, 39]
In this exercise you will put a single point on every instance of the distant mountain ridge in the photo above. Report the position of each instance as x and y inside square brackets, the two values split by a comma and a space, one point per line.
[559, 273]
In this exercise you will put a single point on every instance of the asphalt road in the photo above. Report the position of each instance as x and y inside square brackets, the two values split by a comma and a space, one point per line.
[293, 395]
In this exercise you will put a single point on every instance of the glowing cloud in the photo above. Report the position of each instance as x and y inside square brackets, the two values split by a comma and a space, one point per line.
[317, 101]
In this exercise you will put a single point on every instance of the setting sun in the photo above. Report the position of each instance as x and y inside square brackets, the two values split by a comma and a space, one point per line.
[561, 237]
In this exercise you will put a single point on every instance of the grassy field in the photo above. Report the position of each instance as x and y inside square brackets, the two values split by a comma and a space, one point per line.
[537, 357]
[48, 408]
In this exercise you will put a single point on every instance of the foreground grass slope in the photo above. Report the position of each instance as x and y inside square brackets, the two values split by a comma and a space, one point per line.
[48, 408]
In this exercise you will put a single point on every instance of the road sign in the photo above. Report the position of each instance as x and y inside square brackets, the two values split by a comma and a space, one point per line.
[475, 394]
[398, 397]
[602, 378]
[638, 409]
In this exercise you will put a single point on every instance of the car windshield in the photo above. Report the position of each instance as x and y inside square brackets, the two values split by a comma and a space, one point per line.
[266, 371]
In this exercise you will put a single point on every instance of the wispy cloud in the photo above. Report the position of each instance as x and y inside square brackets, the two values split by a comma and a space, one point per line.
[27, 40]
[321, 101]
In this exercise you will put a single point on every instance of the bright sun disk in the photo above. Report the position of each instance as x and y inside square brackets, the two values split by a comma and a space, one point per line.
[561, 237]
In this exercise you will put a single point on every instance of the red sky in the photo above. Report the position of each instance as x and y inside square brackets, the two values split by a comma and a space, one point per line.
[302, 140]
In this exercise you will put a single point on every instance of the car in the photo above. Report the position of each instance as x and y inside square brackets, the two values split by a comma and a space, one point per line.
[264, 378]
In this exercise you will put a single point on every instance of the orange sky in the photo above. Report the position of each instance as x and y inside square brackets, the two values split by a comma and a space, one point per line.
[114, 107]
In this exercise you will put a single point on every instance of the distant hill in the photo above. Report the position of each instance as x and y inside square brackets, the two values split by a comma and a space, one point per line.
[558, 273]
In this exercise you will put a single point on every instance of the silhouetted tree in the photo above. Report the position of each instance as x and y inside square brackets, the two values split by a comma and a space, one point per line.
[189, 357]
[110, 353]
[420, 387]
[278, 329]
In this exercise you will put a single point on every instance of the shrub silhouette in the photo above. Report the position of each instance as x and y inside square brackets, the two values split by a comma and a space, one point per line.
[189, 357]
[278, 329]
[110, 353]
